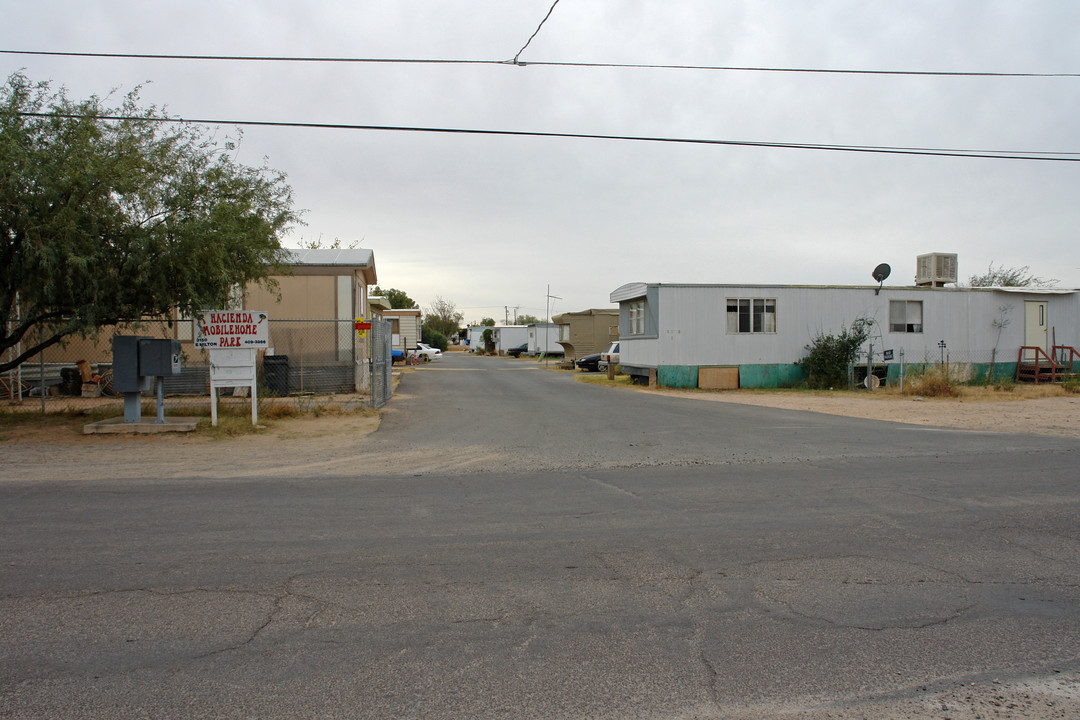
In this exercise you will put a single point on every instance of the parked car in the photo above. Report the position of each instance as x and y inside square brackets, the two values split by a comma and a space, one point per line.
[589, 363]
[610, 356]
[425, 352]
[516, 351]
[397, 356]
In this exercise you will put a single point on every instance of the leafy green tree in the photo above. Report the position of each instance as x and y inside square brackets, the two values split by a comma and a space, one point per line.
[433, 338]
[487, 322]
[109, 215]
[527, 319]
[443, 317]
[828, 357]
[396, 298]
[1002, 276]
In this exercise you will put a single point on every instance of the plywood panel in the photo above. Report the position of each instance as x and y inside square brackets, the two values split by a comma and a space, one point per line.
[718, 378]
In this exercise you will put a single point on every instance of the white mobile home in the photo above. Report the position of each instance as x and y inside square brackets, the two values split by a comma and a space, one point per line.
[544, 338]
[509, 336]
[755, 335]
[505, 337]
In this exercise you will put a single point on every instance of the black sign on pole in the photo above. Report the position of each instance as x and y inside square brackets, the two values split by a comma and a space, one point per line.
[888, 355]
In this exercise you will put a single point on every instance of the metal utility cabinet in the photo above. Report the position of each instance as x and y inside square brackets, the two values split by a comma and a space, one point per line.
[136, 361]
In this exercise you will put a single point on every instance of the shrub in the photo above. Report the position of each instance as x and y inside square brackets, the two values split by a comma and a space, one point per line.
[1072, 385]
[932, 382]
[434, 338]
[1006, 384]
[828, 357]
[489, 340]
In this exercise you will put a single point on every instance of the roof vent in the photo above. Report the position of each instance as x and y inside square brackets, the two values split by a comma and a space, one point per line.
[935, 269]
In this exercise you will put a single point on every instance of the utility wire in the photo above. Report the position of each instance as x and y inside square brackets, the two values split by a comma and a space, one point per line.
[1051, 156]
[535, 32]
[542, 63]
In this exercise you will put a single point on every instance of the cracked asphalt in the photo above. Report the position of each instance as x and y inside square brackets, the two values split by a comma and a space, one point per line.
[511, 543]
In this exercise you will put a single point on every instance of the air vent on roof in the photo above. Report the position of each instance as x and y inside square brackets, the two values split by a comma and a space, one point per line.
[935, 269]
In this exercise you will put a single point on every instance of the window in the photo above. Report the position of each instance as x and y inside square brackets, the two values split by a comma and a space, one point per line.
[905, 316]
[751, 315]
[637, 317]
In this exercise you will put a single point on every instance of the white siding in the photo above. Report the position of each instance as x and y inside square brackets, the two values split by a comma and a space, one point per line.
[544, 338]
[692, 323]
[510, 336]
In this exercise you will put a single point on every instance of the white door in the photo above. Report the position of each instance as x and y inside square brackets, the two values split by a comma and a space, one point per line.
[1034, 327]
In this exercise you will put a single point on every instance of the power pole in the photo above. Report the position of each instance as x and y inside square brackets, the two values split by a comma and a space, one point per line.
[547, 327]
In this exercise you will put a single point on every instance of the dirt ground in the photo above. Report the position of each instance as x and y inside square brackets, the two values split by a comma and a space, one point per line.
[1034, 410]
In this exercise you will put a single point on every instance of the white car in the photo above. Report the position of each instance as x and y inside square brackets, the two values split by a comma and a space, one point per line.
[609, 356]
[425, 352]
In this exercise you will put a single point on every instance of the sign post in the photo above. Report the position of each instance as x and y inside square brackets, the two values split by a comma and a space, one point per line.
[233, 338]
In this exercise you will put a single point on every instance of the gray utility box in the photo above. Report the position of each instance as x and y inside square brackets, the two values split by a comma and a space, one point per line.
[137, 360]
[159, 357]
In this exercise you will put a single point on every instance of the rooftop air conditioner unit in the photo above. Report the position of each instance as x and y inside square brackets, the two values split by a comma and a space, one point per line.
[935, 269]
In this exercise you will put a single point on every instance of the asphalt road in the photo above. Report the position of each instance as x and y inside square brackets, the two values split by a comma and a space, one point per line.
[512, 543]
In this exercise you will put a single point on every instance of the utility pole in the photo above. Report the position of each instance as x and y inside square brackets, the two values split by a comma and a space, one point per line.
[547, 327]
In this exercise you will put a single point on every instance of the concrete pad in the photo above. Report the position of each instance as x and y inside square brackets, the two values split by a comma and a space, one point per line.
[117, 426]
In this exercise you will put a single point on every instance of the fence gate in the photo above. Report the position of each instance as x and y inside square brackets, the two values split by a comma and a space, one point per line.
[381, 362]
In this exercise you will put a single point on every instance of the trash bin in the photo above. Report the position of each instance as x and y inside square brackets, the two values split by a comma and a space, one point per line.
[70, 381]
[276, 374]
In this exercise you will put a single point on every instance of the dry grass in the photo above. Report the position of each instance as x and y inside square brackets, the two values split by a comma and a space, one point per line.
[234, 415]
[602, 379]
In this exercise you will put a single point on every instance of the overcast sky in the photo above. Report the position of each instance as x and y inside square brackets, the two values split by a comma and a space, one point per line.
[491, 221]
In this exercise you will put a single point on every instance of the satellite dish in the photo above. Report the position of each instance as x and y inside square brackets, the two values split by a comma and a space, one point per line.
[880, 273]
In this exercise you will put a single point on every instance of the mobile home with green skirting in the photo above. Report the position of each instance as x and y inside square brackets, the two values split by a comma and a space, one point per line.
[754, 336]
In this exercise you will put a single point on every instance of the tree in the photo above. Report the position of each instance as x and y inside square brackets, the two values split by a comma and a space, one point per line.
[1009, 277]
[487, 322]
[527, 319]
[320, 245]
[443, 317]
[828, 357]
[111, 215]
[396, 298]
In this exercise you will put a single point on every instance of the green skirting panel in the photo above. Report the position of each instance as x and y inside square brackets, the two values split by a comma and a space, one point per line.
[770, 376]
[677, 376]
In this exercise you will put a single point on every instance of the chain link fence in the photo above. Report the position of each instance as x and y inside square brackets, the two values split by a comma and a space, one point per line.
[305, 358]
[965, 366]
[381, 362]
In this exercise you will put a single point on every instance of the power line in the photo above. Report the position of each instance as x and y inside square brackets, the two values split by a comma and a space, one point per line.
[540, 63]
[535, 32]
[1052, 156]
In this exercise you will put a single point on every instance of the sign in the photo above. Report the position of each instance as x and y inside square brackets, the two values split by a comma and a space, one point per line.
[232, 368]
[232, 329]
[888, 355]
[361, 327]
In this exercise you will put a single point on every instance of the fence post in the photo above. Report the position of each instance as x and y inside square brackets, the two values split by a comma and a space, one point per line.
[901, 371]
[41, 365]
